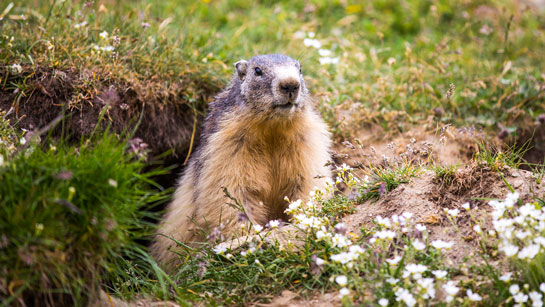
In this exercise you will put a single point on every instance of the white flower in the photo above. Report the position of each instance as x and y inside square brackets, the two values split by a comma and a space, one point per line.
[529, 252]
[103, 35]
[509, 249]
[473, 296]
[274, 223]
[320, 234]
[405, 296]
[420, 227]
[520, 297]
[81, 24]
[506, 277]
[450, 288]
[453, 212]
[258, 228]
[220, 249]
[299, 34]
[309, 42]
[394, 261]
[477, 229]
[340, 240]
[1, 160]
[341, 280]
[328, 60]
[392, 281]
[439, 244]
[107, 48]
[542, 287]
[356, 249]
[385, 222]
[257, 261]
[418, 245]
[414, 269]
[514, 289]
[383, 302]
[522, 234]
[319, 261]
[343, 257]
[311, 34]
[343, 292]
[537, 298]
[22, 141]
[466, 206]
[324, 52]
[440, 274]
[16, 68]
[294, 206]
[112, 182]
[540, 241]
[427, 285]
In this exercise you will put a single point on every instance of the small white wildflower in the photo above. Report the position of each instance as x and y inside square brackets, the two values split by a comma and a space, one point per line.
[466, 206]
[439, 274]
[299, 34]
[420, 227]
[16, 68]
[328, 60]
[418, 245]
[506, 277]
[22, 141]
[450, 288]
[228, 256]
[509, 250]
[319, 261]
[520, 298]
[385, 222]
[312, 43]
[529, 252]
[473, 296]
[81, 24]
[405, 296]
[103, 35]
[356, 249]
[324, 52]
[1, 160]
[274, 223]
[477, 229]
[257, 261]
[394, 261]
[522, 234]
[112, 182]
[311, 34]
[427, 285]
[107, 48]
[392, 281]
[258, 228]
[514, 289]
[537, 298]
[341, 280]
[414, 269]
[439, 244]
[383, 302]
[343, 292]
[220, 249]
[454, 212]
[340, 240]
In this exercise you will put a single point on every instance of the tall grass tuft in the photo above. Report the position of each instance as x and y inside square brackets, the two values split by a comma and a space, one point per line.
[67, 215]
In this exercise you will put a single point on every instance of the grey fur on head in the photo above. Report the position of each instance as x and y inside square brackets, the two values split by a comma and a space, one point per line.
[271, 83]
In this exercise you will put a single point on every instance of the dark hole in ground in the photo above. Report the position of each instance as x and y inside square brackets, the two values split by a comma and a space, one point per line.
[531, 144]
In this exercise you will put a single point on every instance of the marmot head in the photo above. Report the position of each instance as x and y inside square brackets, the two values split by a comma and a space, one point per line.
[272, 84]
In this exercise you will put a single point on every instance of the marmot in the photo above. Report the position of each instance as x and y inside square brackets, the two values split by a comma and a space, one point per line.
[262, 140]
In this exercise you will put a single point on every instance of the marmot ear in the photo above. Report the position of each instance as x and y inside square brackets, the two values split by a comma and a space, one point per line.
[241, 67]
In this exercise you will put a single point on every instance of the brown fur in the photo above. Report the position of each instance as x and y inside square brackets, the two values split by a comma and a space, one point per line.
[259, 158]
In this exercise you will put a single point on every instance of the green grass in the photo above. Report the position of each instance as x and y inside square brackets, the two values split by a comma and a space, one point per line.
[67, 214]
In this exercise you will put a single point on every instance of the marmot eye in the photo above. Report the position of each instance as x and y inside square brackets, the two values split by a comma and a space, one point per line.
[258, 71]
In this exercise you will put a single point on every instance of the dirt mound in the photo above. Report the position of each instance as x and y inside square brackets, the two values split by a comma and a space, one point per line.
[166, 114]
[428, 196]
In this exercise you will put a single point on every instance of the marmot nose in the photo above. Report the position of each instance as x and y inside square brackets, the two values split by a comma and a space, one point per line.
[289, 87]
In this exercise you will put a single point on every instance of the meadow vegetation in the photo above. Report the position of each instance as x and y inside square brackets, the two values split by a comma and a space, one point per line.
[91, 93]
